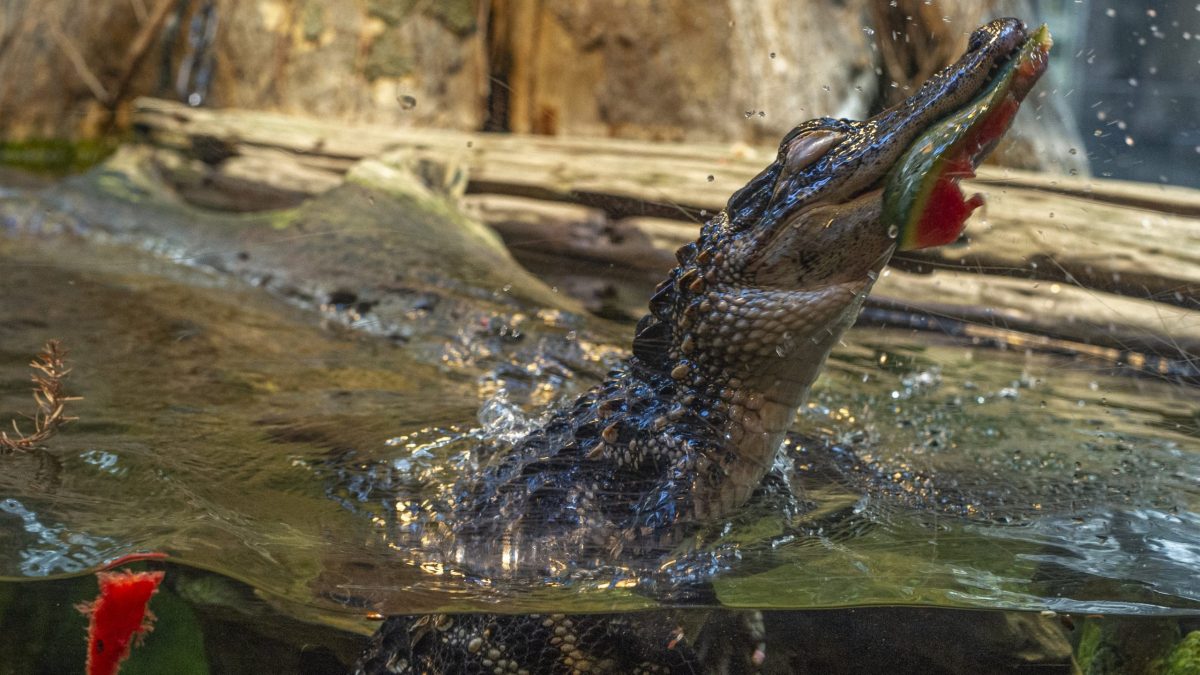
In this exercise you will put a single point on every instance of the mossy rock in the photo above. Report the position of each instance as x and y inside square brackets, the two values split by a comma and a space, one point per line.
[391, 12]
[391, 55]
[312, 21]
[458, 16]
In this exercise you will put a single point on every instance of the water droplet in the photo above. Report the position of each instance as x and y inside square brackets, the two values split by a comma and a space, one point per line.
[868, 30]
[772, 55]
[407, 102]
[1073, 151]
[1110, 12]
[711, 178]
[503, 420]
[893, 231]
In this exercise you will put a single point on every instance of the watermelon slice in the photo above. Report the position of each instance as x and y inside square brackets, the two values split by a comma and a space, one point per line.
[922, 202]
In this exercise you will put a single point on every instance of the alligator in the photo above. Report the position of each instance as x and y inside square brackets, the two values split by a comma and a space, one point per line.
[686, 430]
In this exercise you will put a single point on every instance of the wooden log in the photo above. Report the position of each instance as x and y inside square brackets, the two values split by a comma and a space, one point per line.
[255, 179]
[579, 232]
[1052, 309]
[629, 204]
[683, 168]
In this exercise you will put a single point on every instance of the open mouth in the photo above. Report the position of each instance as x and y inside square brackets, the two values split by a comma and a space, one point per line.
[922, 199]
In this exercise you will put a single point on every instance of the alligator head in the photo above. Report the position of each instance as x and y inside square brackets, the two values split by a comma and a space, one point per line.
[745, 322]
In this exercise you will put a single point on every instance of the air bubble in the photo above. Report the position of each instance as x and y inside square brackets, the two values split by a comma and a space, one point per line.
[893, 231]
[407, 102]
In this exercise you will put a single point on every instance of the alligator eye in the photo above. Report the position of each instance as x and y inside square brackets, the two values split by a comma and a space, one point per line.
[808, 147]
[978, 38]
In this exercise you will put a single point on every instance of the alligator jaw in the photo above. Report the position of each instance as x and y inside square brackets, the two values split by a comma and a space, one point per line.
[922, 198]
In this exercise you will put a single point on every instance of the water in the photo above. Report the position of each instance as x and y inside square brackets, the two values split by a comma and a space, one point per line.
[268, 456]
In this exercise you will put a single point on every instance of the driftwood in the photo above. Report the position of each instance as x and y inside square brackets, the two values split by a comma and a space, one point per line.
[1100, 262]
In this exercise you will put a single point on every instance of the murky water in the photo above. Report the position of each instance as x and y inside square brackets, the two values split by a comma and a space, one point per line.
[268, 455]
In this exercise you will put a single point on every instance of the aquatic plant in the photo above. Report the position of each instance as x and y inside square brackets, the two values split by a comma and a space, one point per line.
[49, 371]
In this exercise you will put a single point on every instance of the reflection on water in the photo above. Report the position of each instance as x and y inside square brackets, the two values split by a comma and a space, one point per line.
[54, 549]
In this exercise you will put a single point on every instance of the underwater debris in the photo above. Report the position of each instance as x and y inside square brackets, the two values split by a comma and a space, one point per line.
[49, 371]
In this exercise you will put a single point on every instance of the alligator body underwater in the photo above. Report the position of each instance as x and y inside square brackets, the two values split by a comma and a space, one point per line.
[686, 430]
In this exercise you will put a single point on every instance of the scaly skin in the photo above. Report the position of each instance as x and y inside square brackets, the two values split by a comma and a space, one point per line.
[685, 431]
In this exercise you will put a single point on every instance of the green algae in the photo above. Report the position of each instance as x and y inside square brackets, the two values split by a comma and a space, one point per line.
[55, 156]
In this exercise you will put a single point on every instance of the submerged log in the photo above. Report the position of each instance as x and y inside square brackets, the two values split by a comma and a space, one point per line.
[1102, 262]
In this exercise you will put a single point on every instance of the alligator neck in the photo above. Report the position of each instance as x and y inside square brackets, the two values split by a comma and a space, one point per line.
[742, 355]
